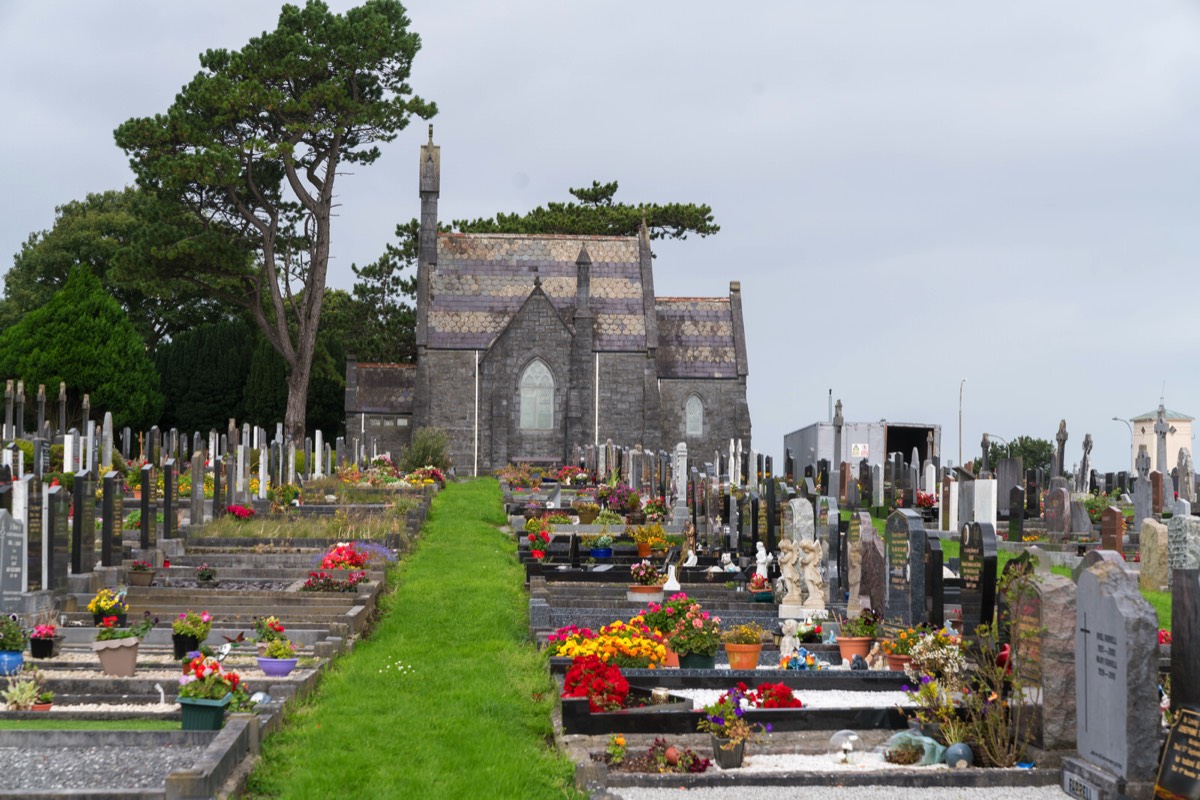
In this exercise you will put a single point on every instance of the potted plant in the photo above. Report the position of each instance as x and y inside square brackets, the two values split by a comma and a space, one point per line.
[205, 689]
[108, 603]
[539, 543]
[696, 637]
[278, 658]
[28, 692]
[12, 642]
[206, 575]
[661, 620]
[648, 537]
[45, 641]
[587, 511]
[140, 573]
[730, 731]
[267, 630]
[633, 508]
[743, 644]
[647, 583]
[188, 632]
[898, 648]
[856, 634]
[117, 647]
[760, 589]
[655, 509]
[602, 546]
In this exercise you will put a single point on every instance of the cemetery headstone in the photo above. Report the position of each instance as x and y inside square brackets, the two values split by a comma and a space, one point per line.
[31, 487]
[112, 518]
[935, 598]
[1152, 555]
[1081, 523]
[1156, 493]
[1058, 520]
[906, 569]
[196, 512]
[949, 503]
[977, 570]
[860, 521]
[1016, 514]
[13, 562]
[1033, 493]
[168, 501]
[1185, 645]
[58, 549]
[874, 570]
[1044, 620]
[83, 535]
[148, 524]
[985, 501]
[1179, 771]
[1183, 545]
[1112, 529]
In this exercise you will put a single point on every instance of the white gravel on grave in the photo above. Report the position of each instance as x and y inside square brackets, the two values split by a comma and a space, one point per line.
[122, 708]
[817, 698]
[810, 792]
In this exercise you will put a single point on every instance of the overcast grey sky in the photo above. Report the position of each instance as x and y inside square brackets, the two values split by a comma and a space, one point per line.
[910, 193]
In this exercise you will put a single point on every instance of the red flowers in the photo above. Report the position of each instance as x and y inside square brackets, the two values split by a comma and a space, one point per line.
[602, 684]
[538, 542]
[1164, 636]
[767, 695]
[344, 556]
[241, 512]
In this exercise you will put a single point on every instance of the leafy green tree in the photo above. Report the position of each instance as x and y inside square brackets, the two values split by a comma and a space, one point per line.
[1034, 453]
[98, 231]
[253, 145]
[82, 336]
[384, 291]
[203, 375]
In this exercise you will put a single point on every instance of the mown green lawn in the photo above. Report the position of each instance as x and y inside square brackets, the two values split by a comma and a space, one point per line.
[446, 698]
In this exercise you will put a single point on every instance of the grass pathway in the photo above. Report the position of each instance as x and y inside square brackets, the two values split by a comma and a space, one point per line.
[446, 698]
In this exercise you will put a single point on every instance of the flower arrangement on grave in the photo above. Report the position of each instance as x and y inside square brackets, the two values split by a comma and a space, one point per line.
[538, 543]
[1164, 636]
[557, 518]
[205, 573]
[769, 695]
[696, 632]
[607, 517]
[600, 682]
[205, 679]
[725, 719]
[279, 648]
[662, 617]
[344, 555]
[47, 631]
[425, 475]
[284, 494]
[746, 633]
[586, 506]
[759, 583]
[656, 508]
[866, 624]
[652, 533]
[571, 475]
[268, 629]
[602, 542]
[939, 655]
[140, 566]
[631, 645]
[325, 582]
[192, 624]
[240, 512]
[12, 636]
[107, 630]
[645, 574]
[809, 632]
[926, 499]
[902, 642]
[107, 601]
[633, 502]
[661, 758]
[26, 690]
[533, 509]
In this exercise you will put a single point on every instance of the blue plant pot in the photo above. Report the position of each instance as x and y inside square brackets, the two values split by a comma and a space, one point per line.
[601, 552]
[959, 756]
[11, 662]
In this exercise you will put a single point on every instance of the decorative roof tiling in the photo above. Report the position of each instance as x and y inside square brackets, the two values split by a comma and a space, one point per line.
[695, 338]
[481, 280]
[383, 389]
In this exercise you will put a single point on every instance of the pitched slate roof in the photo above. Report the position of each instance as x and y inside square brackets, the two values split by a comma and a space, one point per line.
[481, 280]
[1153, 415]
[382, 389]
[695, 337]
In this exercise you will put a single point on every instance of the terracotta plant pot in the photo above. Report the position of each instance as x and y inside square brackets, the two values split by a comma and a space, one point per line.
[851, 646]
[118, 657]
[671, 659]
[897, 663]
[743, 656]
[41, 707]
[643, 549]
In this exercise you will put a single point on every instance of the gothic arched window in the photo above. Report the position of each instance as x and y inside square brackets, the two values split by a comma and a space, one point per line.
[537, 397]
[694, 416]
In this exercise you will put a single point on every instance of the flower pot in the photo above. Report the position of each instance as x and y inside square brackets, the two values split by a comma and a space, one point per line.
[601, 552]
[98, 617]
[211, 583]
[644, 594]
[897, 663]
[140, 578]
[697, 661]
[636, 518]
[726, 754]
[587, 517]
[765, 596]
[118, 657]
[277, 667]
[743, 656]
[851, 646]
[11, 662]
[959, 756]
[671, 659]
[41, 707]
[184, 644]
[45, 648]
[643, 549]
[203, 715]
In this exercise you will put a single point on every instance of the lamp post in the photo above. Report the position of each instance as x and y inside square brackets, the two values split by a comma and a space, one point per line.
[960, 396]
[1129, 425]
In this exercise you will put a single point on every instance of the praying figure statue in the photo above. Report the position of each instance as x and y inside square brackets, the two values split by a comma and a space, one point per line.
[789, 574]
[810, 563]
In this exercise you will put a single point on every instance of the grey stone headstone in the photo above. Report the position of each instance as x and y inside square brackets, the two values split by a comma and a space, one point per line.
[1116, 651]
[906, 566]
[1045, 622]
[13, 561]
[1080, 521]
[977, 570]
[874, 570]
[860, 522]
[1183, 545]
[1152, 556]
[1058, 519]
[196, 512]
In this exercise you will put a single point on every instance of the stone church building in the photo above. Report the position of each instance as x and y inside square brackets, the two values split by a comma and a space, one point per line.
[530, 345]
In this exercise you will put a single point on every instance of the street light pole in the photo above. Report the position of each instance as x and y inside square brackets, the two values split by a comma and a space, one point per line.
[1129, 425]
[960, 396]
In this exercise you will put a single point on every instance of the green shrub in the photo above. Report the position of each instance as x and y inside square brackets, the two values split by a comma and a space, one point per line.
[426, 449]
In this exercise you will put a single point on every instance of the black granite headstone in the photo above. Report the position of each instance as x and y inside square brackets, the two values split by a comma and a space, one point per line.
[169, 498]
[1016, 514]
[83, 533]
[906, 536]
[58, 533]
[1179, 770]
[149, 509]
[218, 510]
[111, 519]
[977, 564]
[1185, 638]
[935, 598]
[1033, 508]
[33, 548]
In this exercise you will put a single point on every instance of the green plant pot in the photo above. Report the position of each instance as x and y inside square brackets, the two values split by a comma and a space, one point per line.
[697, 661]
[204, 715]
[727, 759]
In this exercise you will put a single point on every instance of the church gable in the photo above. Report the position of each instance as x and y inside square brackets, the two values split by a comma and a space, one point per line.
[696, 338]
[482, 280]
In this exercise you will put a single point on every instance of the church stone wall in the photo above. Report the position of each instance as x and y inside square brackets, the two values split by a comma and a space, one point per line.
[726, 415]
[451, 402]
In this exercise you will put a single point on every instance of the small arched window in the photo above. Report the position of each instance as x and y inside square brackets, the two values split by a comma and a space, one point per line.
[537, 397]
[694, 416]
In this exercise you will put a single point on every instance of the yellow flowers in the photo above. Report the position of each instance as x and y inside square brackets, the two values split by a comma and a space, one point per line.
[626, 644]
